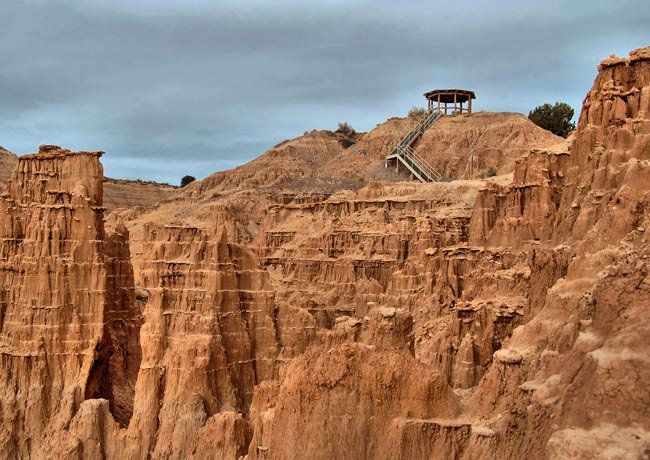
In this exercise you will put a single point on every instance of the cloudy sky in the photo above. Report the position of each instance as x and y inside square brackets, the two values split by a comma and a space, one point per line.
[175, 87]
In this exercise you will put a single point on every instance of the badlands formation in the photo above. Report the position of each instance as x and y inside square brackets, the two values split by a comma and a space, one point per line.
[118, 193]
[314, 304]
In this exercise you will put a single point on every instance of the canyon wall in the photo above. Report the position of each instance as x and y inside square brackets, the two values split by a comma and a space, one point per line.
[583, 371]
[535, 317]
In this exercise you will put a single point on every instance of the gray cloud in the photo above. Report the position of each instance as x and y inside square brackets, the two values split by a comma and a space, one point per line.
[174, 87]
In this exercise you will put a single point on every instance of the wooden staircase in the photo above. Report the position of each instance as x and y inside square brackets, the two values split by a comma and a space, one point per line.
[404, 153]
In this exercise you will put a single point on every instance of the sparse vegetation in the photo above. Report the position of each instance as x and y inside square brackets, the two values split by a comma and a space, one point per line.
[111, 180]
[488, 172]
[554, 118]
[187, 180]
[345, 129]
[417, 112]
[346, 143]
[141, 295]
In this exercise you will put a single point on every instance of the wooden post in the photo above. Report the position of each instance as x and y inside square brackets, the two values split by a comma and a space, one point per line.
[455, 109]
[469, 102]
[471, 169]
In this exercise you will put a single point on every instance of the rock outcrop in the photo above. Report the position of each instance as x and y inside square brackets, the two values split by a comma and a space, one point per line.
[68, 319]
[210, 335]
[118, 193]
[591, 228]
[494, 139]
[332, 161]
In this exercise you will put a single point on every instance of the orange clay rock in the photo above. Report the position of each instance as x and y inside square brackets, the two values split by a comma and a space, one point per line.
[358, 400]
[68, 320]
[7, 163]
[559, 196]
[574, 373]
[541, 328]
[208, 338]
[119, 193]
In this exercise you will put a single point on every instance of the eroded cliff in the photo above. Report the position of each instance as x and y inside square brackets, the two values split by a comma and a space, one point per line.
[68, 319]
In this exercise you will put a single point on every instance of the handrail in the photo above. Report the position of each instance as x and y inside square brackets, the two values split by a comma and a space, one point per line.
[422, 164]
[424, 122]
[402, 149]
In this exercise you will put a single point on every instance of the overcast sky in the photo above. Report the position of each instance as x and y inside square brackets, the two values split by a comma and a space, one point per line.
[175, 87]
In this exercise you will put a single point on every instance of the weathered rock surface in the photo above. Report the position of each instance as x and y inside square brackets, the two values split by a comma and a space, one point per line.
[588, 210]
[332, 161]
[119, 193]
[68, 319]
[208, 338]
[8, 162]
[304, 313]
[495, 140]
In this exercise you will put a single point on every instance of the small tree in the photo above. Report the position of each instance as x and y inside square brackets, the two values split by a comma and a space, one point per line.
[187, 180]
[555, 118]
[346, 129]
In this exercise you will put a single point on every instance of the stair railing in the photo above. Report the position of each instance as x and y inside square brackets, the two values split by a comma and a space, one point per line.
[402, 148]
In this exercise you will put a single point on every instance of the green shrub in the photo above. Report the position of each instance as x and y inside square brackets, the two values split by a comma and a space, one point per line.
[554, 118]
[345, 129]
[187, 180]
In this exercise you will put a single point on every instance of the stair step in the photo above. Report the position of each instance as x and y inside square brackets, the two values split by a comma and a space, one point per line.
[405, 154]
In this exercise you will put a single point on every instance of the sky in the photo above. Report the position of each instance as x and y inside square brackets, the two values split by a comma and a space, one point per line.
[174, 87]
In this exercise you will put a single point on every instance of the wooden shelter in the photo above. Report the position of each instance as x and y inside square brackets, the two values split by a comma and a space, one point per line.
[441, 99]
